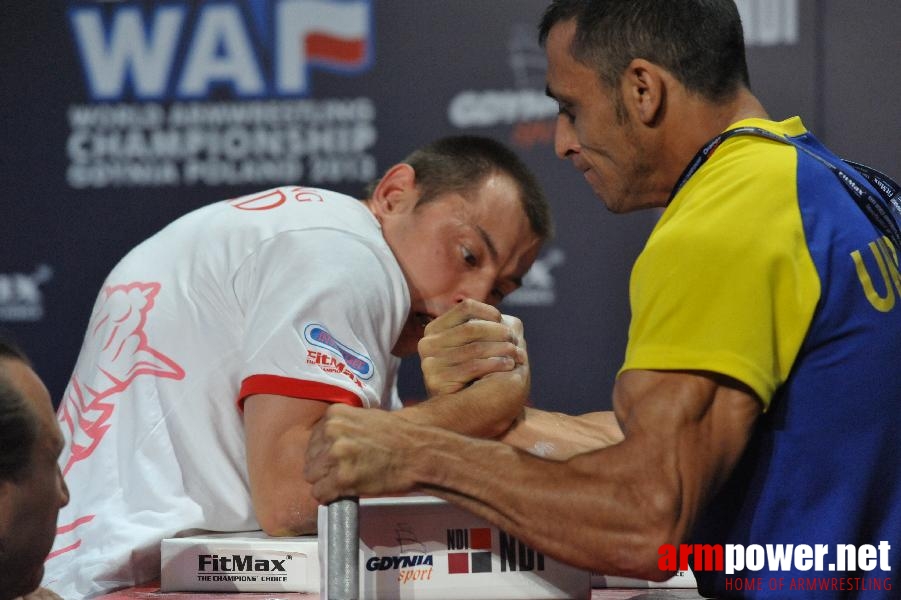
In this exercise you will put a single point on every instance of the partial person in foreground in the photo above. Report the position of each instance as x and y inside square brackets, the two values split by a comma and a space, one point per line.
[760, 396]
[216, 344]
[31, 486]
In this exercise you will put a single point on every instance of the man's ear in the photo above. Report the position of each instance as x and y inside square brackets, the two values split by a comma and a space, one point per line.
[396, 191]
[644, 91]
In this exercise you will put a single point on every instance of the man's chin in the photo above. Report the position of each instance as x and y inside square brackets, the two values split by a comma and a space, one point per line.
[28, 584]
[408, 342]
[404, 347]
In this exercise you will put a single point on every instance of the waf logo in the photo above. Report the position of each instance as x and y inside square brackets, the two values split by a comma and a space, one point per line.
[318, 335]
[513, 554]
[185, 50]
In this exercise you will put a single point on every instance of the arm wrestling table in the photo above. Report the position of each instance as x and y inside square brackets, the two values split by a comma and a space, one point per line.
[343, 537]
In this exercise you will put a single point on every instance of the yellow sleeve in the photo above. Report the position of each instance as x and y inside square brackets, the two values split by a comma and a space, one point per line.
[726, 283]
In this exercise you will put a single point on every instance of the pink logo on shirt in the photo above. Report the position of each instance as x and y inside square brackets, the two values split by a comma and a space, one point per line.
[275, 198]
[265, 201]
[122, 353]
[116, 337]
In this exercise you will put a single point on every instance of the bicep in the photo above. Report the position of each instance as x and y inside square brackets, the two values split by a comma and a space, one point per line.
[270, 417]
[695, 423]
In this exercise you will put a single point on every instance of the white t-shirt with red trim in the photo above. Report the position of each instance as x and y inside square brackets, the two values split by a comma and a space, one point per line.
[292, 291]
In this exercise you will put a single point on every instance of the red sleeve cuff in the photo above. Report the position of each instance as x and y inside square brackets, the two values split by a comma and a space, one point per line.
[295, 388]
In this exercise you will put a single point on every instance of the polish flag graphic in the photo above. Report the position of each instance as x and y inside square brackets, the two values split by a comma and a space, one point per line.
[324, 48]
[333, 34]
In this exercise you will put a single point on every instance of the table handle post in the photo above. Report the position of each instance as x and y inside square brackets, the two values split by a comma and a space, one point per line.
[344, 549]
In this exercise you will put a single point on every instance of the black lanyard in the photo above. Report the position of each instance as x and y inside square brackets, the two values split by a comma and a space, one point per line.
[884, 210]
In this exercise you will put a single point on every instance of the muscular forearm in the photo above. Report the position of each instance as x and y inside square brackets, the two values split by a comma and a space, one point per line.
[609, 510]
[559, 436]
[485, 409]
[547, 504]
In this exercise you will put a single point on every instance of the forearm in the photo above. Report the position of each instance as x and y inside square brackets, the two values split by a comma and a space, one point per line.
[560, 436]
[609, 510]
[547, 504]
[482, 410]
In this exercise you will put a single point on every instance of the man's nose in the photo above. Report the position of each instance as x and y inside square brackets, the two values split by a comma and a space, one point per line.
[63, 490]
[477, 289]
[565, 140]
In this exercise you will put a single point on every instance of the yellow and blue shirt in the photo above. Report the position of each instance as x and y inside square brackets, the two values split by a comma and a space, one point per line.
[764, 269]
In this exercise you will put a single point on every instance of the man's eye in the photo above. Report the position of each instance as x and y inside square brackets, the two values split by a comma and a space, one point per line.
[564, 111]
[469, 257]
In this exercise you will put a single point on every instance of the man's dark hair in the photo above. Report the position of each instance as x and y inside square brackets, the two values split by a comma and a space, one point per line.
[462, 163]
[700, 42]
[18, 423]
